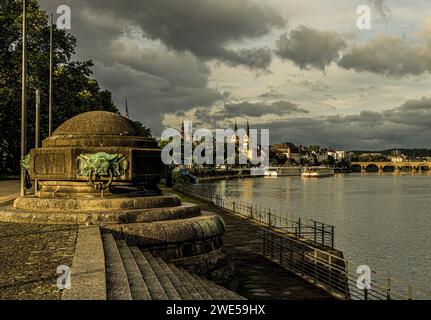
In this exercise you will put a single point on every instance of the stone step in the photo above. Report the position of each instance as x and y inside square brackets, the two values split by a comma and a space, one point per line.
[231, 295]
[117, 283]
[220, 292]
[88, 267]
[212, 290]
[138, 275]
[167, 285]
[196, 284]
[157, 292]
[177, 283]
[186, 282]
[138, 287]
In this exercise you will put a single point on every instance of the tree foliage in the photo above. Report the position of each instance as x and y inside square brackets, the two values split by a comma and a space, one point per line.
[143, 131]
[75, 91]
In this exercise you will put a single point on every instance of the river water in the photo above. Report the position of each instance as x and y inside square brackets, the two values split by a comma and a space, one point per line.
[381, 220]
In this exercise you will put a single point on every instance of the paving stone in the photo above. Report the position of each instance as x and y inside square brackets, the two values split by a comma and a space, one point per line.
[262, 294]
[244, 248]
[30, 255]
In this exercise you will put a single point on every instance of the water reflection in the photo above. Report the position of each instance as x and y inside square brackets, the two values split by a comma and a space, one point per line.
[381, 219]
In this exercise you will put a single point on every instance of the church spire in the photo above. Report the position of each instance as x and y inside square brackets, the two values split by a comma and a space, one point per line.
[127, 111]
[182, 130]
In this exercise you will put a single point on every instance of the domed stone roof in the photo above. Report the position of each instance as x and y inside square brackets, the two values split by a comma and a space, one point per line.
[96, 123]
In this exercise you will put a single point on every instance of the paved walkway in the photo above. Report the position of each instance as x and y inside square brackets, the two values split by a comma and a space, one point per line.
[260, 278]
[29, 257]
[9, 190]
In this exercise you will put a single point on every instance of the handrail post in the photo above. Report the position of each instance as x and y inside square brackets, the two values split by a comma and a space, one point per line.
[281, 250]
[330, 272]
[315, 231]
[346, 285]
[388, 290]
[303, 260]
[272, 245]
[269, 218]
[332, 236]
[323, 234]
[299, 226]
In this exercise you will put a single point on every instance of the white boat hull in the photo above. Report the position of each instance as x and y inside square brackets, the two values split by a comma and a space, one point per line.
[317, 172]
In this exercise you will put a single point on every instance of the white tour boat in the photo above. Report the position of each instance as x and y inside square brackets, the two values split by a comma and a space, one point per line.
[317, 172]
[271, 172]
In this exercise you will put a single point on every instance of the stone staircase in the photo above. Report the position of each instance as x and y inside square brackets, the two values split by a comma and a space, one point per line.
[132, 274]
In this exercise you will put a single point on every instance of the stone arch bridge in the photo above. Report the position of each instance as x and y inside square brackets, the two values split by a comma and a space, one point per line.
[406, 166]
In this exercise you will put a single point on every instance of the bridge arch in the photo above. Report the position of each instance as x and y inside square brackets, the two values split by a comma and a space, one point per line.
[389, 167]
[372, 167]
[405, 167]
[356, 167]
[423, 167]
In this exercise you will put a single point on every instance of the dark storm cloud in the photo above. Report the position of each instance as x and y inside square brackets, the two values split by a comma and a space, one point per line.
[412, 112]
[169, 74]
[205, 28]
[181, 69]
[404, 126]
[246, 110]
[310, 48]
[384, 55]
[389, 56]
[154, 80]
[150, 96]
[259, 109]
[260, 58]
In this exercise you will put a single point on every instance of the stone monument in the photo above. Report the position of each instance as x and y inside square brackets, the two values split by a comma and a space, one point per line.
[97, 170]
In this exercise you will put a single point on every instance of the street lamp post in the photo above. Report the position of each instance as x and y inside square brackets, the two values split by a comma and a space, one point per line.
[50, 74]
[37, 121]
[23, 94]
[37, 132]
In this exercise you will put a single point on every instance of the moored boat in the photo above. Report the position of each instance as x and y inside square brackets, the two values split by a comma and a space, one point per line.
[271, 172]
[317, 172]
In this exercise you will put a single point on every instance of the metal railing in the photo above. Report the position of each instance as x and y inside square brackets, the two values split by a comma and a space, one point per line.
[318, 232]
[332, 273]
[325, 269]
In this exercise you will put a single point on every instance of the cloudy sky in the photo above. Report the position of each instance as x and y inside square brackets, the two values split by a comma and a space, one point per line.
[300, 68]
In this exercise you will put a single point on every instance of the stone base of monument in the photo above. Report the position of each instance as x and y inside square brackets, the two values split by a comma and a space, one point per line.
[176, 231]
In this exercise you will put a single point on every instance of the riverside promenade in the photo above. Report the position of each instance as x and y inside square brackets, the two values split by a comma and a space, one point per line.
[9, 190]
[31, 253]
[259, 277]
